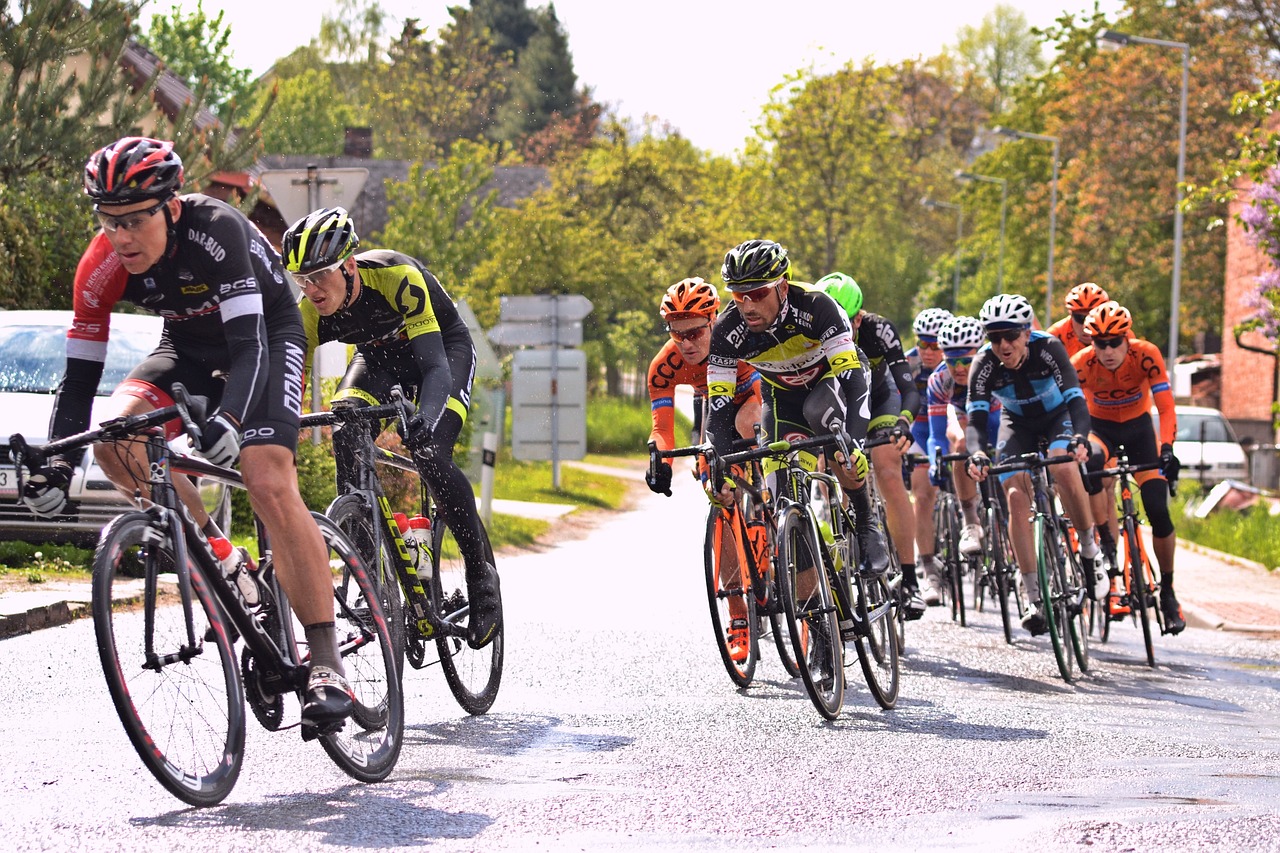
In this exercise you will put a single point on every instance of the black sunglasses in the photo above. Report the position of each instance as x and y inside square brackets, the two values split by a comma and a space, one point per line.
[1006, 337]
[1079, 318]
[1107, 343]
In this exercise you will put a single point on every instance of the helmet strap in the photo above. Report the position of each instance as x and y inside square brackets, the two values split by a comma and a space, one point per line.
[171, 231]
[351, 285]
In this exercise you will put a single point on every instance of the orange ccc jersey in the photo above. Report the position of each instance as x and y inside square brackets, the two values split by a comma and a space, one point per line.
[1127, 392]
[1065, 332]
[668, 370]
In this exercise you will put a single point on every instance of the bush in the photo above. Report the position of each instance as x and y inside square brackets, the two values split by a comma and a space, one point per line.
[616, 425]
[1253, 533]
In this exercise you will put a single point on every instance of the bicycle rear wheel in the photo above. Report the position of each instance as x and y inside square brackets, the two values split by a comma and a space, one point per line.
[1078, 605]
[1002, 572]
[473, 675]
[1140, 596]
[183, 708]
[811, 612]
[878, 646]
[730, 597]
[354, 517]
[948, 539]
[1052, 596]
[368, 745]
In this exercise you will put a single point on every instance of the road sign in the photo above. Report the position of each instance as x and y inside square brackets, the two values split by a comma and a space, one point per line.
[543, 307]
[549, 405]
[297, 192]
[537, 334]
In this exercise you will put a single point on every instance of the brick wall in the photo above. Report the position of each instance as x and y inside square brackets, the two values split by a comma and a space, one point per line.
[1247, 377]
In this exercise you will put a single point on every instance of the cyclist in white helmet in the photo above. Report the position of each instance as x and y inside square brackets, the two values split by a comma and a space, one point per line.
[922, 360]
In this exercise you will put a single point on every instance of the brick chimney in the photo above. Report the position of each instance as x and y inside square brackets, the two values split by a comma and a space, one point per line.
[358, 142]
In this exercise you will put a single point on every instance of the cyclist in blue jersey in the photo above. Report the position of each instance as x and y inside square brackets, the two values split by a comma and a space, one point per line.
[922, 360]
[1031, 375]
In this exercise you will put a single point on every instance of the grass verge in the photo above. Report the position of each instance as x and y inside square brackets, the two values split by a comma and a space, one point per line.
[1253, 534]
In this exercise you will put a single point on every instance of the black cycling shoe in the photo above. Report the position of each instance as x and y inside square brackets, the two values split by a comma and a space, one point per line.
[1034, 622]
[874, 551]
[913, 605]
[327, 702]
[486, 606]
[1172, 610]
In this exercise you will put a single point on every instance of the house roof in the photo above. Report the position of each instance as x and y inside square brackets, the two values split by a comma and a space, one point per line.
[171, 93]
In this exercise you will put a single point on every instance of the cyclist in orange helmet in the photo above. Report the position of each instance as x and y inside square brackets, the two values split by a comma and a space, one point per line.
[1080, 301]
[1120, 375]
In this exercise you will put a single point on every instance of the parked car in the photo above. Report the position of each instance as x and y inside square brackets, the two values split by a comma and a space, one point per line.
[1207, 446]
[32, 362]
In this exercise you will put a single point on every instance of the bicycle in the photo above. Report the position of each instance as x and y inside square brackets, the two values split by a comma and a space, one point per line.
[1140, 586]
[752, 591]
[437, 610]
[995, 571]
[171, 669]
[1061, 578]
[947, 521]
[843, 603]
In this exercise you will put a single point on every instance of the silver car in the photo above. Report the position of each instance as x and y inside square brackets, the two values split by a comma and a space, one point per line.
[32, 362]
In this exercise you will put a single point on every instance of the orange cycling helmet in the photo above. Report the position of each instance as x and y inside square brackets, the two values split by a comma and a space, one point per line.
[692, 297]
[1085, 297]
[1109, 320]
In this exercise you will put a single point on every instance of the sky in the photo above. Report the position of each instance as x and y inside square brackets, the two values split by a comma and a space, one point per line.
[705, 67]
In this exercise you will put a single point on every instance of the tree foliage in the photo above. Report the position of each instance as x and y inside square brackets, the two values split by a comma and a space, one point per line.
[1003, 50]
[307, 118]
[195, 47]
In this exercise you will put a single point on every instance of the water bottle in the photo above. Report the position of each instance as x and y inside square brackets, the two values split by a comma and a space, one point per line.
[238, 566]
[417, 536]
[829, 539]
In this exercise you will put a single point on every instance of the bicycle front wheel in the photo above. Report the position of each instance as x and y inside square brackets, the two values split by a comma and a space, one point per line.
[1140, 595]
[1001, 571]
[181, 703]
[878, 647]
[1053, 596]
[811, 612]
[1079, 607]
[368, 745]
[953, 561]
[473, 675]
[355, 518]
[733, 606]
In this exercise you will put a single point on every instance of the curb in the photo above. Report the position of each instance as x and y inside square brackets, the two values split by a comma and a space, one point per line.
[45, 616]
[1223, 556]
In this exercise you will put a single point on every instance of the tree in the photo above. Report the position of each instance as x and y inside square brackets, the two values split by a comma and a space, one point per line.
[542, 84]
[307, 117]
[195, 47]
[1003, 49]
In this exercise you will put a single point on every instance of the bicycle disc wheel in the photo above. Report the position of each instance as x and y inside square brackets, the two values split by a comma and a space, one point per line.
[878, 647]
[368, 745]
[185, 717]
[1077, 606]
[1139, 594]
[811, 613]
[729, 593]
[354, 517]
[1052, 597]
[473, 675]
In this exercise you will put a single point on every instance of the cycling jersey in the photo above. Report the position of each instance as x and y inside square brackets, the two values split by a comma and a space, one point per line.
[1127, 393]
[1065, 331]
[1043, 389]
[920, 375]
[944, 394]
[810, 339]
[669, 370]
[877, 337]
[226, 304]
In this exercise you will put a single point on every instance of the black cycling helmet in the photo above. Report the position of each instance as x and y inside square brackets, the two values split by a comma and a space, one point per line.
[753, 263]
[133, 169]
[320, 239]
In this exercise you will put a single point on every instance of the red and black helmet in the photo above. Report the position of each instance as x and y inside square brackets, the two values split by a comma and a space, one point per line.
[133, 169]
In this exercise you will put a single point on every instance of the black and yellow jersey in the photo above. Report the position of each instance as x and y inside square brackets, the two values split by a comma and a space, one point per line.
[401, 313]
[810, 339]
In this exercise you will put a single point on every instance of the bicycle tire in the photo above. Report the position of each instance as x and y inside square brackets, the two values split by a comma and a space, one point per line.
[1052, 597]
[355, 518]
[368, 745]
[955, 561]
[1078, 605]
[1002, 572]
[813, 622]
[768, 580]
[1139, 595]
[878, 647]
[161, 708]
[473, 675]
[722, 596]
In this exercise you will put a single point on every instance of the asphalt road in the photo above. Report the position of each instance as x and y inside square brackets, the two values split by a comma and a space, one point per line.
[617, 729]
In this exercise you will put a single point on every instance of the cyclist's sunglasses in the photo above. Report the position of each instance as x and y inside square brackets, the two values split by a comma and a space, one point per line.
[1107, 343]
[1006, 337]
[960, 358]
[1080, 317]
[927, 344]
[688, 334]
[755, 294]
[313, 278]
[129, 221]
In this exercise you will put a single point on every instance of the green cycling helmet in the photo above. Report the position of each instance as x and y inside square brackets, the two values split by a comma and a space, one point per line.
[844, 290]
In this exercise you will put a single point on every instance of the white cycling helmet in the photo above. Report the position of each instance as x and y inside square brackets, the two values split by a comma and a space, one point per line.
[962, 333]
[1006, 311]
[929, 321]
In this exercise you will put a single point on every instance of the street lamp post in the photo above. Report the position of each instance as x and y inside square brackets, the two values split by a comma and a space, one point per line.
[1112, 40]
[955, 275]
[1053, 209]
[962, 175]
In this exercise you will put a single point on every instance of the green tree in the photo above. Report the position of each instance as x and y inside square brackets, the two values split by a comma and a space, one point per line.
[195, 47]
[542, 84]
[307, 117]
[1003, 49]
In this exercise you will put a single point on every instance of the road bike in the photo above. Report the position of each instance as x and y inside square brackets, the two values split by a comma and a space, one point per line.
[828, 597]
[738, 563]
[170, 662]
[948, 518]
[995, 571]
[1063, 591]
[1139, 593]
[430, 612]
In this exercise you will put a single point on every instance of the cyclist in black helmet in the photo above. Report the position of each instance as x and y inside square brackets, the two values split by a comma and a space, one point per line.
[406, 332]
[228, 310]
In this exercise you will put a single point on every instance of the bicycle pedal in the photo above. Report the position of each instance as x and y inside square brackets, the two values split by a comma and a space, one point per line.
[310, 733]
